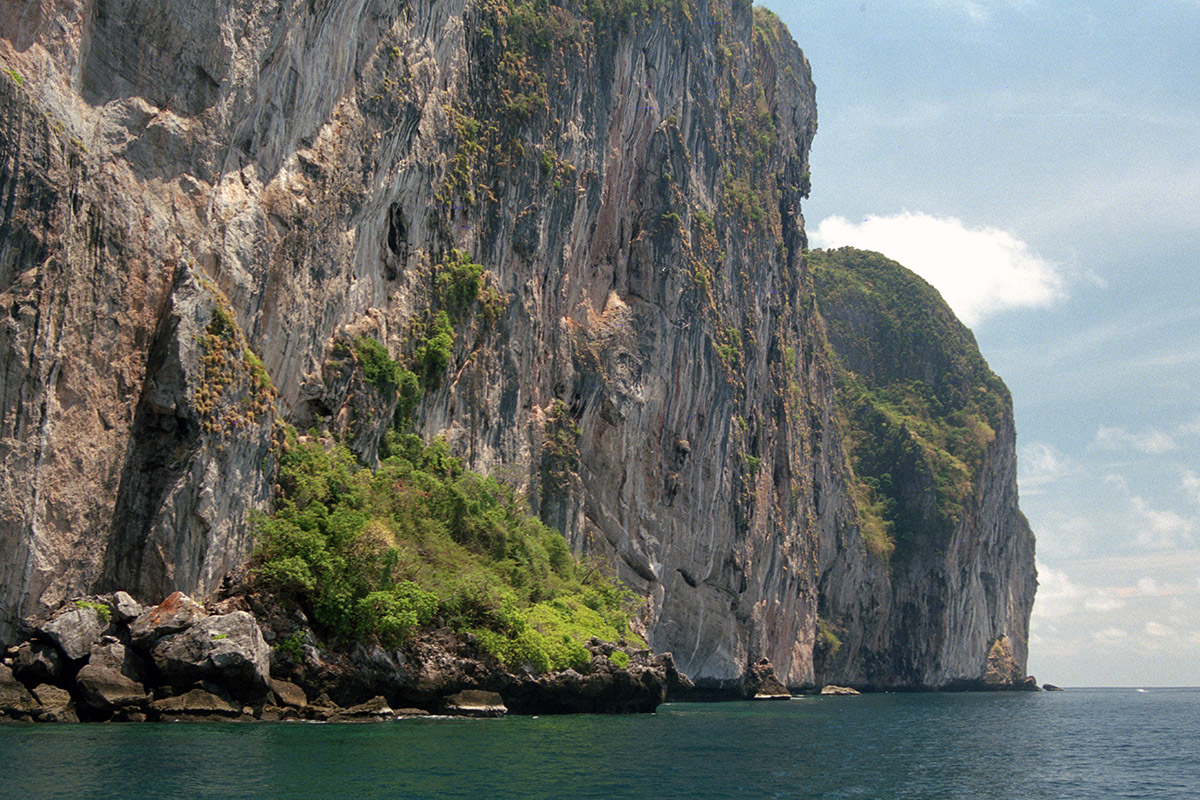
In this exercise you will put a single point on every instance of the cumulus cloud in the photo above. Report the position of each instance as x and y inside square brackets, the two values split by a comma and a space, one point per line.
[1191, 486]
[1103, 603]
[1158, 629]
[1158, 528]
[1151, 442]
[1041, 465]
[979, 271]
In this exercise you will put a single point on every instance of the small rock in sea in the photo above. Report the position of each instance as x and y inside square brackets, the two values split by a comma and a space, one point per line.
[374, 710]
[195, 705]
[1050, 687]
[475, 703]
[839, 690]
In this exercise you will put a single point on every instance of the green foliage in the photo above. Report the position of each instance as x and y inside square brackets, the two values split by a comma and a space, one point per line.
[921, 406]
[435, 352]
[378, 367]
[380, 554]
[560, 450]
[827, 637]
[17, 77]
[101, 609]
[456, 283]
[292, 646]
[620, 658]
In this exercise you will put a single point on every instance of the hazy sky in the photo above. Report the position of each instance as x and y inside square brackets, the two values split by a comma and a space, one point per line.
[1039, 163]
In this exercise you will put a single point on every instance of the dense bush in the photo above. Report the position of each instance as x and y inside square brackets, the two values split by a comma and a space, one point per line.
[382, 553]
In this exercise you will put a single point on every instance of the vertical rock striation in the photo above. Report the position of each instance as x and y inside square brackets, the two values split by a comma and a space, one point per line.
[203, 203]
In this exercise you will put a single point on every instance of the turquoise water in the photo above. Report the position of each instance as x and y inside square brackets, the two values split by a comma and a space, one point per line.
[1107, 743]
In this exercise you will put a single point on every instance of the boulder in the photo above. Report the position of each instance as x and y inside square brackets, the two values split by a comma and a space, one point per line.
[15, 699]
[126, 608]
[111, 654]
[37, 662]
[411, 712]
[172, 615]
[839, 690]
[105, 689]
[475, 703]
[195, 704]
[227, 649]
[1050, 687]
[57, 705]
[272, 713]
[289, 694]
[374, 710]
[763, 684]
[75, 631]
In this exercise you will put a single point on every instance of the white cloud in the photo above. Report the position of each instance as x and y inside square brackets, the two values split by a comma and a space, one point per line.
[1163, 529]
[1152, 442]
[1041, 465]
[979, 271]
[981, 11]
[1104, 603]
[1158, 629]
[1110, 635]
[1191, 486]
[1057, 594]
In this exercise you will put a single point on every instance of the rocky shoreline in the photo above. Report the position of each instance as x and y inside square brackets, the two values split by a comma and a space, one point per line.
[108, 658]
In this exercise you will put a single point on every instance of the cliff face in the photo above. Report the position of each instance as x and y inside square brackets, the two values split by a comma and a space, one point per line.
[202, 202]
[943, 569]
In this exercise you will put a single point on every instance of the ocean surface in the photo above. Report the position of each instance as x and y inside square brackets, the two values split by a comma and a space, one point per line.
[1082, 743]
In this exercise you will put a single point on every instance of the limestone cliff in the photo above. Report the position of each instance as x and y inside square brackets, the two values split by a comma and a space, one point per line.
[202, 202]
[939, 567]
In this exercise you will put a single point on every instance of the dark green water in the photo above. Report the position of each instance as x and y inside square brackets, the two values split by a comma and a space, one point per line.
[1077, 744]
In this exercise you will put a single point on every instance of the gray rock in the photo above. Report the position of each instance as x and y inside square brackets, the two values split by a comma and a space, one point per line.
[475, 703]
[411, 712]
[37, 662]
[105, 689]
[174, 614]
[227, 649]
[289, 694]
[75, 631]
[374, 710]
[15, 699]
[839, 690]
[195, 703]
[125, 607]
[119, 658]
[57, 705]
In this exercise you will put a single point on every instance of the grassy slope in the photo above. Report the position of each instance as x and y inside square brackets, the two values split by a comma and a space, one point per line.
[380, 554]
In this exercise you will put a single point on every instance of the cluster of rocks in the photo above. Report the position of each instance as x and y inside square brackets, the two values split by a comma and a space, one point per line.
[109, 658]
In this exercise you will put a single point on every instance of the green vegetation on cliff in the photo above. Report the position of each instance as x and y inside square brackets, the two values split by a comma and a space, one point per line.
[381, 553]
[920, 404]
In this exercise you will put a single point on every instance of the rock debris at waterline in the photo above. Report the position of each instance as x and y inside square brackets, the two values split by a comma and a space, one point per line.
[108, 658]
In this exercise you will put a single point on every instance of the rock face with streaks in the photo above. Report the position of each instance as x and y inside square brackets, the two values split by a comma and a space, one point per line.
[204, 202]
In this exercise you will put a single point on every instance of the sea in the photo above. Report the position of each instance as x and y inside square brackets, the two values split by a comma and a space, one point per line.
[1092, 744]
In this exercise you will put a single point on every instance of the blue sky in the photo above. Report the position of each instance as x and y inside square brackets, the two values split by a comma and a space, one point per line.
[1039, 163]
